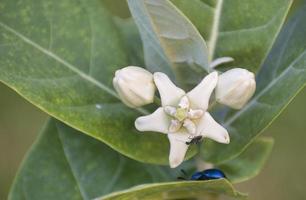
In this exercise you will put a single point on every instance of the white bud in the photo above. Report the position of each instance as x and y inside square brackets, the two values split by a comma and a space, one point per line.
[135, 86]
[235, 87]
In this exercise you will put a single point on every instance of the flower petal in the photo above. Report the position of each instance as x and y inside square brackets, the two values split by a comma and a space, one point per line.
[178, 148]
[199, 96]
[169, 93]
[190, 126]
[175, 125]
[195, 114]
[208, 127]
[157, 122]
[170, 110]
[184, 103]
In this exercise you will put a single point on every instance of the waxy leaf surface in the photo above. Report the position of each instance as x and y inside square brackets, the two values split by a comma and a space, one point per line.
[250, 162]
[283, 75]
[61, 56]
[66, 164]
[213, 189]
[171, 43]
[244, 30]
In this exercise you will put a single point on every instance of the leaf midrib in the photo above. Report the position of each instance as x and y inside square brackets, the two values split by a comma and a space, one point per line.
[60, 60]
[215, 30]
[80, 188]
[82, 191]
[213, 40]
[65, 63]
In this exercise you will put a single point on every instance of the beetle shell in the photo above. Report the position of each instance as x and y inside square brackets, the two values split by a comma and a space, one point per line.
[208, 174]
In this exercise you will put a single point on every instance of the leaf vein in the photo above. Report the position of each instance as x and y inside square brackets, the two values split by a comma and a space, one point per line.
[60, 60]
[65, 63]
[272, 83]
[82, 192]
[115, 176]
[215, 30]
[255, 28]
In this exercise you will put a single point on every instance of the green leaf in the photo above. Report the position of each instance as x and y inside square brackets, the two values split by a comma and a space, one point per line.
[61, 56]
[244, 30]
[283, 75]
[132, 40]
[72, 165]
[66, 164]
[199, 13]
[189, 190]
[171, 42]
[250, 162]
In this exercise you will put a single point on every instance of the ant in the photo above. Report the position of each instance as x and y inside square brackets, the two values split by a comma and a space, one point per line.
[195, 140]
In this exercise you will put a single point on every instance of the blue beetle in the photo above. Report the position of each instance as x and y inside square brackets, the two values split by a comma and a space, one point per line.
[208, 174]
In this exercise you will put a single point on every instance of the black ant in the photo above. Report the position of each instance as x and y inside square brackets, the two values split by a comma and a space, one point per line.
[195, 140]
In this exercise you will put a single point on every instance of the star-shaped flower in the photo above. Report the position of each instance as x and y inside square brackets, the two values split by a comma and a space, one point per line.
[183, 116]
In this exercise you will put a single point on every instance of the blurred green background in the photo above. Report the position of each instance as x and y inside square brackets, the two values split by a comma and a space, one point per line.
[283, 178]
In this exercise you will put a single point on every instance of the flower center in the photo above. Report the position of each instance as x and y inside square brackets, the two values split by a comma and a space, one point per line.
[181, 114]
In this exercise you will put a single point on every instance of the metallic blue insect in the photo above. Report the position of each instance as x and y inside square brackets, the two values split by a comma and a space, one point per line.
[207, 174]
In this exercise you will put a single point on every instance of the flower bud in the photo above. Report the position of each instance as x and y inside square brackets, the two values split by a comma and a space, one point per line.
[135, 86]
[235, 87]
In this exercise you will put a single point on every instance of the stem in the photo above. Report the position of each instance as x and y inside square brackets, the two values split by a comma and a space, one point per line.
[157, 101]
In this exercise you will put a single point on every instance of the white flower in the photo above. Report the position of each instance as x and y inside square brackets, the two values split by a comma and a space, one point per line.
[235, 87]
[183, 116]
[135, 86]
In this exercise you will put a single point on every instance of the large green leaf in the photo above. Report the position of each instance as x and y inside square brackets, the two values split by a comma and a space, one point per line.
[188, 190]
[61, 56]
[283, 75]
[132, 40]
[171, 42]
[83, 165]
[250, 162]
[66, 164]
[244, 30]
